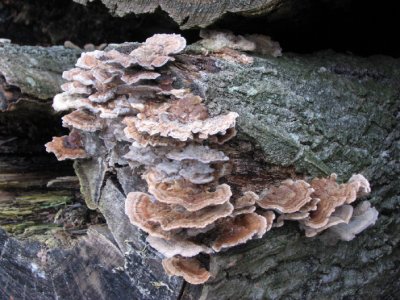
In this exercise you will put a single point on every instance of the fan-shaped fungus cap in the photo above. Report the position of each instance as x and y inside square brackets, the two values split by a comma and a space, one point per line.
[363, 216]
[244, 210]
[184, 131]
[289, 197]
[310, 206]
[145, 140]
[331, 195]
[82, 120]
[90, 60]
[82, 76]
[75, 87]
[342, 214]
[190, 196]
[131, 78]
[245, 204]
[270, 217]
[116, 57]
[189, 108]
[138, 216]
[238, 230]
[173, 216]
[291, 217]
[67, 146]
[170, 248]
[249, 198]
[65, 101]
[302, 214]
[198, 152]
[188, 268]
[364, 187]
[155, 51]
[102, 97]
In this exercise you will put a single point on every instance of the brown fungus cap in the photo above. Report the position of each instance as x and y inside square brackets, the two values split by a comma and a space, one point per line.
[67, 147]
[310, 206]
[116, 57]
[249, 198]
[136, 210]
[146, 140]
[244, 210]
[331, 195]
[155, 51]
[90, 60]
[173, 216]
[342, 214]
[270, 216]
[75, 87]
[189, 108]
[238, 230]
[83, 120]
[245, 204]
[289, 197]
[82, 76]
[183, 192]
[188, 268]
[131, 78]
[102, 97]
[185, 131]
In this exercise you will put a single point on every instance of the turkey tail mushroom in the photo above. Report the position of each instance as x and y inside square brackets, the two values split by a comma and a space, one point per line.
[129, 109]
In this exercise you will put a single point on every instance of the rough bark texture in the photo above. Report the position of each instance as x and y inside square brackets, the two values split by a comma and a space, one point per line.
[320, 112]
[192, 14]
[309, 114]
[92, 269]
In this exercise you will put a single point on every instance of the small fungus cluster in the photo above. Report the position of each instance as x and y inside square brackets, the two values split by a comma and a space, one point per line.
[128, 104]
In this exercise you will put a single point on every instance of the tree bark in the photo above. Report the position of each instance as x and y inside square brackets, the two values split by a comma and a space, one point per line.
[195, 14]
[190, 14]
[299, 115]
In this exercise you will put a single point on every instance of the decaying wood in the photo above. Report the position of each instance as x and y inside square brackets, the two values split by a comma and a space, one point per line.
[31, 73]
[190, 13]
[91, 269]
[298, 116]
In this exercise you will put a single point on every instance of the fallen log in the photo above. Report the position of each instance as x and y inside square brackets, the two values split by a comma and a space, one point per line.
[299, 115]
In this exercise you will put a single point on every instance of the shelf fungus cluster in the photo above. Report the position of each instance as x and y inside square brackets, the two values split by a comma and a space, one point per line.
[128, 103]
[320, 204]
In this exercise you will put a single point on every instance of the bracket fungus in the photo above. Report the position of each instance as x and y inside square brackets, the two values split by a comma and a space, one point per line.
[129, 109]
[363, 216]
[67, 146]
[189, 268]
[289, 197]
